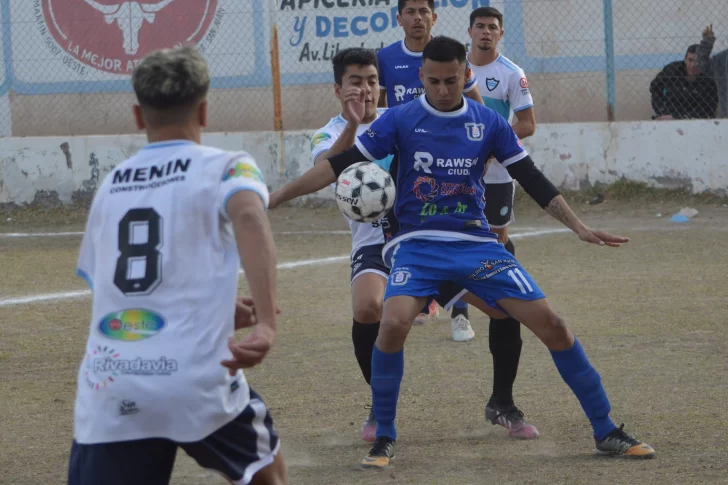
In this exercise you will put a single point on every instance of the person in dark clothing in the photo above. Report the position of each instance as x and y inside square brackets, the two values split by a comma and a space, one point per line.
[682, 91]
[715, 67]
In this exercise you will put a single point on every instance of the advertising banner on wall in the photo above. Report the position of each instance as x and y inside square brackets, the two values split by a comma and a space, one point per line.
[312, 31]
[93, 45]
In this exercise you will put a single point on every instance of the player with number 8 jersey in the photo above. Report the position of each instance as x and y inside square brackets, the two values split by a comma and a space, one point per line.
[166, 234]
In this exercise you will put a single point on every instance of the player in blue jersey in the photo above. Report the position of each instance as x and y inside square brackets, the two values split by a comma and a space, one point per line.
[443, 141]
[399, 82]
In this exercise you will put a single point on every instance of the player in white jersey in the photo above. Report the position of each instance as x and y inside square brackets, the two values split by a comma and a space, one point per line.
[355, 73]
[165, 236]
[504, 88]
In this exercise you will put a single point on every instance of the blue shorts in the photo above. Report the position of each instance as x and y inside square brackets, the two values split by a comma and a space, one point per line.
[237, 450]
[486, 270]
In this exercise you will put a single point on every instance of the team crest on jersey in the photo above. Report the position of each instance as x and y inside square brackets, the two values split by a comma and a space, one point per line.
[475, 131]
[491, 83]
[425, 188]
[242, 169]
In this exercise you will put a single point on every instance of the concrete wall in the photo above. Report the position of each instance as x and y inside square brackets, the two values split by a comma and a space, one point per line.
[691, 154]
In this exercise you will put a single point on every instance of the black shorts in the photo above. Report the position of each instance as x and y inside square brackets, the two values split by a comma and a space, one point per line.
[368, 259]
[238, 450]
[450, 292]
[499, 204]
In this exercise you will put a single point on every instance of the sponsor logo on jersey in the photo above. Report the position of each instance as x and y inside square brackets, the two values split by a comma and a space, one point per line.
[245, 170]
[524, 83]
[104, 365]
[425, 188]
[131, 325]
[128, 407]
[491, 83]
[319, 138]
[400, 92]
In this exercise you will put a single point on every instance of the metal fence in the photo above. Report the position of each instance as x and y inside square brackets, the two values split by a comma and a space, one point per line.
[65, 64]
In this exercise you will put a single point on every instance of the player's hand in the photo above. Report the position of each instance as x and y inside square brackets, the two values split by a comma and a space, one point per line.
[251, 350]
[708, 32]
[245, 312]
[601, 238]
[354, 105]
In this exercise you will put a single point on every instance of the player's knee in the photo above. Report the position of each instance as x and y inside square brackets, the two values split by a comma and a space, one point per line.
[368, 310]
[396, 325]
[558, 336]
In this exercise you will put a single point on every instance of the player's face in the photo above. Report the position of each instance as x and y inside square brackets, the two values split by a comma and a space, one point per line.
[485, 33]
[691, 63]
[365, 78]
[417, 19]
[444, 83]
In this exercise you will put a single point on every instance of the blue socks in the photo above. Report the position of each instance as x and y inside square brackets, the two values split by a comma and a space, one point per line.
[585, 382]
[387, 372]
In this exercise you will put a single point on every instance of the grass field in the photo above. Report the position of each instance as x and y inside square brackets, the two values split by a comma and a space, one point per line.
[651, 315]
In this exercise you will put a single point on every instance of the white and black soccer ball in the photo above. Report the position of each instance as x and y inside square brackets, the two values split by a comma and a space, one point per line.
[365, 192]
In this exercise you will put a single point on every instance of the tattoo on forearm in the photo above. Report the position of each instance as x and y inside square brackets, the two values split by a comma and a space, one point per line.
[557, 210]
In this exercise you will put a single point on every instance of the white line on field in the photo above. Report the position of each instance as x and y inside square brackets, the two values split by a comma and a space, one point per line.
[291, 264]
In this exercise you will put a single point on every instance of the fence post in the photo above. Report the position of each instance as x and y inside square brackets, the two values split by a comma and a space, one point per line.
[275, 67]
[609, 54]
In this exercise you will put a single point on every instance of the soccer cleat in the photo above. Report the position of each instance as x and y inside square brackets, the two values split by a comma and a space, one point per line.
[513, 420]
[461, 329]
[369, 428]
[381, 454]
[424, 318]
[619, 443]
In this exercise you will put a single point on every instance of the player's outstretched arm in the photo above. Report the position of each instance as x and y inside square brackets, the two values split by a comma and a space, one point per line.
[312, 181]
[254, 239]
[540, 189]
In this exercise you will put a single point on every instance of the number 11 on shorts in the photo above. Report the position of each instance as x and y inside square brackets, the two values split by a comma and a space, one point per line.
[520, 280]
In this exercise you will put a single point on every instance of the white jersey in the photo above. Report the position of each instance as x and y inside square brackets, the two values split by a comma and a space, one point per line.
[504, 88]
[362, 234]
[161, 258]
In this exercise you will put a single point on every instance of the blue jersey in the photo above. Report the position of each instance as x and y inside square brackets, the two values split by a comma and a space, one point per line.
[399, 74]
[441, 162]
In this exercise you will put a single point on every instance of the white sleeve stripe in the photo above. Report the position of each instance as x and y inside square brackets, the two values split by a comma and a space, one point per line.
[516, 110]
[515, 158]
[364, 151]
[261, 191]
[468, 89]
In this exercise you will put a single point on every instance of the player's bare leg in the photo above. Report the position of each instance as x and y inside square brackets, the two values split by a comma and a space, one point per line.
[387, 370]
[578, 373]
[367, 295]
[274, 474]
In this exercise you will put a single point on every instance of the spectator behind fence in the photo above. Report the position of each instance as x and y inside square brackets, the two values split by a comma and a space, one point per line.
[681, 91]
[715, 67]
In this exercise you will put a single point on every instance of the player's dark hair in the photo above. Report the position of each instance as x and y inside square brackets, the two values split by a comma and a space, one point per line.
[485, 12]
[401, 4]
[352, 56]
[170, 83]
[444, 49]
[693, 49]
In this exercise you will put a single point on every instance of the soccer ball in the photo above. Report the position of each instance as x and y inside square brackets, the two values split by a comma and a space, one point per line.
[365, 192]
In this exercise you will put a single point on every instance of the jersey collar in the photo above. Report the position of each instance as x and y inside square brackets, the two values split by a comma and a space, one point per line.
[409, 52]
[477, 65]
[168, 143]
[444, 114]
